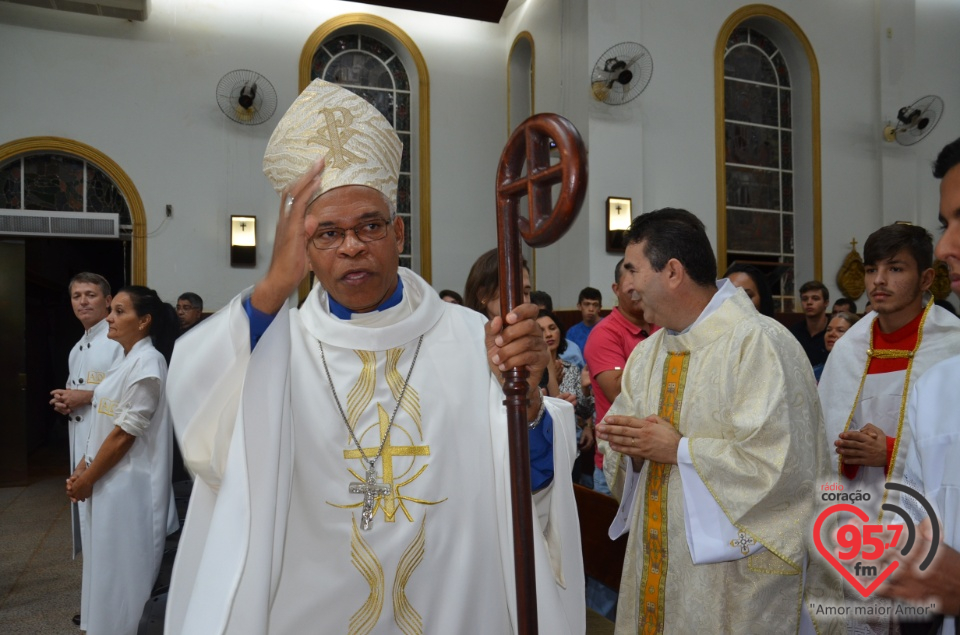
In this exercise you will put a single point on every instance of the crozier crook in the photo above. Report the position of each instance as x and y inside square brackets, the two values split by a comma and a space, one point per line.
[529, 147]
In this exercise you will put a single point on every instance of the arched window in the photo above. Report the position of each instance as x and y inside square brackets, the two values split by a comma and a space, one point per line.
[768, 144]
[366, 65]
[759, 157]
[50, 182]
[50, 186]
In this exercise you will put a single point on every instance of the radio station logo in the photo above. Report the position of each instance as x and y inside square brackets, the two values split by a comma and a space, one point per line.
[861, 547]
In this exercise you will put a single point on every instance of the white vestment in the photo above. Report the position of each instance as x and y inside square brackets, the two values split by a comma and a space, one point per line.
[882, 397]
[717, 543]
[932, 467]
[131, 510]
[90, 359]
[272, 541]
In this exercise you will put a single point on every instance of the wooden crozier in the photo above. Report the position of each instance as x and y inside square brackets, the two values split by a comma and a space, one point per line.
[525, 170]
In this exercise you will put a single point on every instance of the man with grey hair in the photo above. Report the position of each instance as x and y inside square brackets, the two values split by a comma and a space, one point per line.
[351, 455]
[90, 359]
[189, 310]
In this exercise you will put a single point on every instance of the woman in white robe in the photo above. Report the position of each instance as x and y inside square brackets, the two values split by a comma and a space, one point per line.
[125, 470]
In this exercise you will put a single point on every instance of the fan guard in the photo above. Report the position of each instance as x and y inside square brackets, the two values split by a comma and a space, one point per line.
[246, 97]
[621, 73]
[916, 121]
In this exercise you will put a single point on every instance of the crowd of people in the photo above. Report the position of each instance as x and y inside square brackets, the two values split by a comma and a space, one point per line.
[321, 439]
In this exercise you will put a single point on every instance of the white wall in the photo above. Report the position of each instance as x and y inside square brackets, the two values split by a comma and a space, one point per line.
[660, 148]
[143, 93]
[558, 28]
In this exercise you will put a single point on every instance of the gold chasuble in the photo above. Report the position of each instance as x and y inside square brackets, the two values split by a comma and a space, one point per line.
[739, 389]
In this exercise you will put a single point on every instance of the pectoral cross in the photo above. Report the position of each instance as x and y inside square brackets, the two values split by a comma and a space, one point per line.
[370, 490]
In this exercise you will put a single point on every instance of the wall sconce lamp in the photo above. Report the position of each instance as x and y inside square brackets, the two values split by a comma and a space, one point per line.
[619, 217]
[243, 241]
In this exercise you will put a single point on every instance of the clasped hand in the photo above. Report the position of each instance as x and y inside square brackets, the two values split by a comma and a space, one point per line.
[78, 489]
[651, 438]
[867, 446]
[939, 584]
[65, 401]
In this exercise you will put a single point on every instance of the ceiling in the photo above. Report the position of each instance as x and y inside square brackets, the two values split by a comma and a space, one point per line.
[485, 10]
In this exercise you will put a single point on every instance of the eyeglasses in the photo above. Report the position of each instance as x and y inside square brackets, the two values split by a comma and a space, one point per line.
[366, 232]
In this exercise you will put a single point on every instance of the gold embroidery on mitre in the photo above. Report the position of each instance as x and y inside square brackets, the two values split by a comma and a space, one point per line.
[107, 407]
[360, 146]
[361, 394]
[365, 561]
[334, 133]
[411, 399]
[655, 548]
[850, 275]
[95, 376]
[407, 618]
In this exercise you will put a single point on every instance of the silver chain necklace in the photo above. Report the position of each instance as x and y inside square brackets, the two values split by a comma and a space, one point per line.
[369, 487]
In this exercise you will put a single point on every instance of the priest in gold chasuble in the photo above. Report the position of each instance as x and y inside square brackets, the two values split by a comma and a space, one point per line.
[719, 429]
[351, 455]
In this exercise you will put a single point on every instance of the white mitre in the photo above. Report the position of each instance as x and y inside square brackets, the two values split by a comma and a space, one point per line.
[358, 143]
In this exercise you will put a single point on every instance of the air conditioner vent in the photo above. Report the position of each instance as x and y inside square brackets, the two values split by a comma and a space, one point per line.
[124, 9]
[66, 224]
[24, 224]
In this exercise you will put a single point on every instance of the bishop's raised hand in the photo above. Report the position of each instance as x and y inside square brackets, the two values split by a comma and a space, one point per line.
[288, 264]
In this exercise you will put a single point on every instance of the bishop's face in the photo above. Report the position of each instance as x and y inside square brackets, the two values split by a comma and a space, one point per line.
[359, 275]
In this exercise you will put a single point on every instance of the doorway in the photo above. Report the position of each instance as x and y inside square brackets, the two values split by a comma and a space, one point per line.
[49, 331]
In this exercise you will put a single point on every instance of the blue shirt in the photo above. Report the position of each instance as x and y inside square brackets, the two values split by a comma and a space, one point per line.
[573, 354]
[578, 334]
[540, 438]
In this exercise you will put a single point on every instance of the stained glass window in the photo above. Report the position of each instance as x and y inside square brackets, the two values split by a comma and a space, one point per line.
[370, 68]
[55, 182]
[759, 159]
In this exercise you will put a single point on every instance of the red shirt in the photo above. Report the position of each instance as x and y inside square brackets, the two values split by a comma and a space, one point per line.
[610, 343]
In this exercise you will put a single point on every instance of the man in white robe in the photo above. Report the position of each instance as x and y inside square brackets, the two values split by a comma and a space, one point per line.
[90, 359]
[932, 467]
[869, 374]
[718, 425]
[352, 469]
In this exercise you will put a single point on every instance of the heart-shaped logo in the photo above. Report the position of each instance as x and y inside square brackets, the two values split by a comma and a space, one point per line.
[865, 591]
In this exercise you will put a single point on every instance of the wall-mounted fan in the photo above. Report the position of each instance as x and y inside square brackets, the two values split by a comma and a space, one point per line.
[246, 97]
[621, 73]
[916, 121]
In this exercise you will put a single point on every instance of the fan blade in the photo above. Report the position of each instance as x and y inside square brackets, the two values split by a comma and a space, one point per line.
[600, 90]
[244, 115]
[636, 58]
[600, 75]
